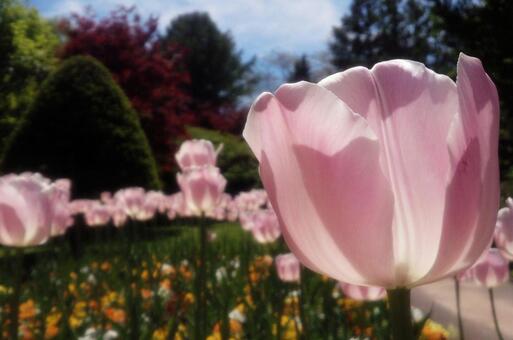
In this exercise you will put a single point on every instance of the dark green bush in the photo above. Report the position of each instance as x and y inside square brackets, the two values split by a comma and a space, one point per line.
[236, 161]
[81, 126]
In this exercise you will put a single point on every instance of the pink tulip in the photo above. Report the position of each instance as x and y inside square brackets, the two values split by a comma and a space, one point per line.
[266, 228]
[362, 293]
[247, 220]
[491, 270]
[386, 177]
[132, 200]
[202, 189]
[504, 230]
[26, 210]
[97, 215]
[252, 200]
[80, 206]
[288, 267]
[118, 215]
[196, 153]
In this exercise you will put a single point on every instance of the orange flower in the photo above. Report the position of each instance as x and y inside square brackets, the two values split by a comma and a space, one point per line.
[105, 266]
[115, 314]
[28, 310]
[146, 293]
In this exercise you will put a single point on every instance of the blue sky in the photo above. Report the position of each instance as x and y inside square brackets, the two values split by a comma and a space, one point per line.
[258, 26]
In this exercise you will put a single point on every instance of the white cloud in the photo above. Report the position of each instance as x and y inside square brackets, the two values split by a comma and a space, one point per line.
[258, 26]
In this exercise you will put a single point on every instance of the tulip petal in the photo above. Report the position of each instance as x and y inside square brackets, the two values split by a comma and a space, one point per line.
[471, 210]
[410, 109]
[320, 166]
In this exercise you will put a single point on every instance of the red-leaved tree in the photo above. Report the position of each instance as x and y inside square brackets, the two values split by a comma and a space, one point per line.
[153, 79]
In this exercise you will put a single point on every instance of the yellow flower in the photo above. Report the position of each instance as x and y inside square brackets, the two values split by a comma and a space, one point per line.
[160, 334]
[5, 290]
[52, 324]
[78, 315]
[290, 328]
[434, 331]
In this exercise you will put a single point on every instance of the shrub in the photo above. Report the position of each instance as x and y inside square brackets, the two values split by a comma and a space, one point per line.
[81, 126]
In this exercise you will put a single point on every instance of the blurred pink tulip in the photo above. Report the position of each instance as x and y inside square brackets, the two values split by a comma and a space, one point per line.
[81, 206]
[362, 293]
[196, 153]
[266, 228]
[118, 215]
[97, 215]
[251, 200]
[132, 200]
[26, 210]
[202, 189]
[504, 230]
[386, 177]
[491, 270]
[288, 267]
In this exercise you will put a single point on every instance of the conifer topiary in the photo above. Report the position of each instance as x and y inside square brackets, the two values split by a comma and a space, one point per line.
[81, 126]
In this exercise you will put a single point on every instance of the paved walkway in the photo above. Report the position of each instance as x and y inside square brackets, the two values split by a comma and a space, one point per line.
[477, 316]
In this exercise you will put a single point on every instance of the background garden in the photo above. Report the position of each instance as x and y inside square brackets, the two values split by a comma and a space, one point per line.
[106, 100]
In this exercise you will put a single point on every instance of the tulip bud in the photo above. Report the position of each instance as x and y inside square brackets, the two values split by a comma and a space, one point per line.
[288, 267]
[202, 189]
[504, 230]
[491, 270]
[196, 153]
[397, 158]
[265, 228]
[27, 209]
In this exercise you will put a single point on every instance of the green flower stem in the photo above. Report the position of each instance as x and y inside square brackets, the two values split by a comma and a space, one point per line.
[400, 314]
[302, 303]
[458, 308]
[201, 284]
[494, 314]
[16, 294]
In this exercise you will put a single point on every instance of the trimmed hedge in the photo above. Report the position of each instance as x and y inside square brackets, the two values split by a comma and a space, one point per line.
[81, 126]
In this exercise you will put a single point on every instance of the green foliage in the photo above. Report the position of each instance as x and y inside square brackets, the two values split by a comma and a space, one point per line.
[379, 30]
[81, 126]
[236, 161]
[27, 56]
[218, 74]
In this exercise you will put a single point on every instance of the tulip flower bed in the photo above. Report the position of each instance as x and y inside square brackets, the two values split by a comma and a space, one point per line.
[64, 297]
[380, 194]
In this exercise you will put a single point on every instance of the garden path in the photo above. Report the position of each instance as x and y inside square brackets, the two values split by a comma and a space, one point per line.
[476, 310]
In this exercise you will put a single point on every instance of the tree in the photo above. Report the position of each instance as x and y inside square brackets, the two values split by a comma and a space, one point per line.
[82, 127]
[152, 77]
[218, 74]
[27, 55]
[386, 29]
[301, 70]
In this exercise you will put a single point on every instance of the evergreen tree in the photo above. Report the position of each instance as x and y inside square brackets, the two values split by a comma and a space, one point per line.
[376, 30]
[301, 70]
[218, 74]
[82, 127]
